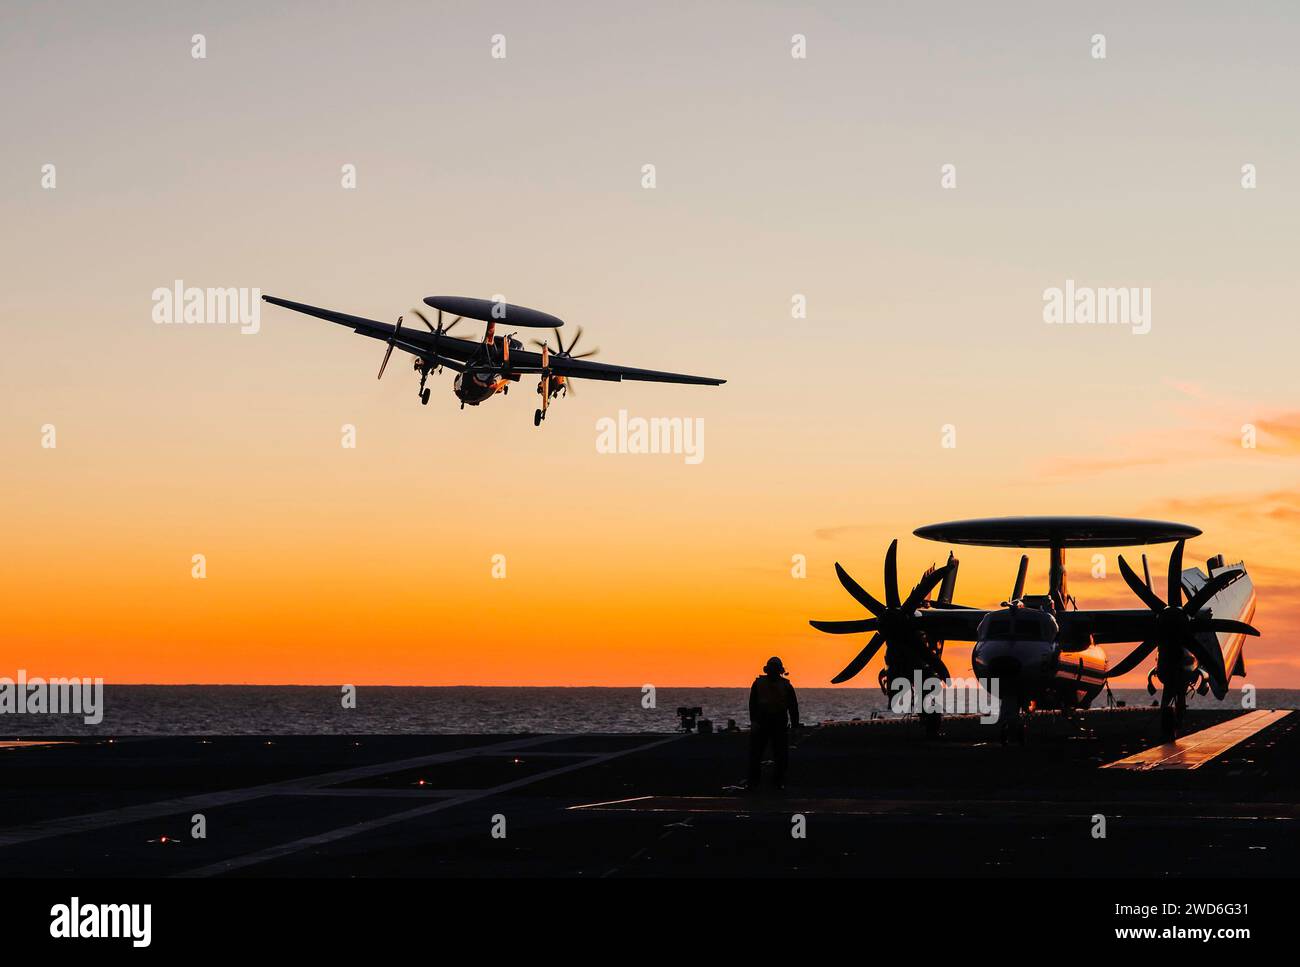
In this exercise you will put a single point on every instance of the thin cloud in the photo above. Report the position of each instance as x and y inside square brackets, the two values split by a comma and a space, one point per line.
[1273, 505]
[1279, 436]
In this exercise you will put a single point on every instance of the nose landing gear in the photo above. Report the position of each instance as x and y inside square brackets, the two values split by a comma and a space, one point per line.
[1011, 719]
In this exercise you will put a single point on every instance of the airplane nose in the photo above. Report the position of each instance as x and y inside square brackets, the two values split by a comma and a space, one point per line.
[1017, 666]
[1004, 667]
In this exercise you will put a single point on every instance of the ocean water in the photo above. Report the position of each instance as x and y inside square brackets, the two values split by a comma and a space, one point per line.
[311, 710]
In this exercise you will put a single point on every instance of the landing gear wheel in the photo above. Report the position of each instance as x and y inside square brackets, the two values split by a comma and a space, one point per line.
[1011, 720]
[424, 397]
[537, 418]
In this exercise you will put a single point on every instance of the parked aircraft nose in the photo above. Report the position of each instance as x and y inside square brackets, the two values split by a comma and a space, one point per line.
[1021, 667]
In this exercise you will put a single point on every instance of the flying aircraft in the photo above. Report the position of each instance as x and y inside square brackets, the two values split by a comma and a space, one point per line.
[1041, 649]
[488, 366]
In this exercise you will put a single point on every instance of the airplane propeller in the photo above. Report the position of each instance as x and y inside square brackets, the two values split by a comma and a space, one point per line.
[440, 330]
[566, 352]
[389, 351]
[1177, 626]
[894, 622]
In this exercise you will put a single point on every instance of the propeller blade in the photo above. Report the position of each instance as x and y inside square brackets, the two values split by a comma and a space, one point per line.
[536, 342]
[424, 320]
[1149, 597]
[891, 574]
[559, 341]
[1208, 590]
[1210, 658]
[845, 627]
[397, 329]
[1176, 576]
[1146, 571]
[1234, 627]
[922, 590]
[860, 662]
[859, 594]
[589, 352]
[1132, 660]
[576, 336]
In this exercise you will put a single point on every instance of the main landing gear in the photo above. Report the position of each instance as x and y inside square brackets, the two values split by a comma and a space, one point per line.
[423, 391]
[544, 391]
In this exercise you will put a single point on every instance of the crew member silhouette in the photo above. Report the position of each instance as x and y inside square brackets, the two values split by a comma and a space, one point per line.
[772, 703]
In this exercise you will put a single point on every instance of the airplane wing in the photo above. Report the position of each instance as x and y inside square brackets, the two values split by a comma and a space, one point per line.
[422, 343]
[584, 369]
[950, 622]
[418, 342]
[944, 623]
[1107, 627]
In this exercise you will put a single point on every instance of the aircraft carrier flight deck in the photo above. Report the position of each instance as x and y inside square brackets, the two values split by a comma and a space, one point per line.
[1092, 795]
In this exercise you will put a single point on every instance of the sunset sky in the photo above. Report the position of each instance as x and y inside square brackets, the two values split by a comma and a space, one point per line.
[522, 176]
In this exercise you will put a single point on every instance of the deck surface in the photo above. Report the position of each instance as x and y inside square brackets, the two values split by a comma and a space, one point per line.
[873, 799]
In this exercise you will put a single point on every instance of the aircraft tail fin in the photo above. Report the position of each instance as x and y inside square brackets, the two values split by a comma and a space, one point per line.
[1018, 590]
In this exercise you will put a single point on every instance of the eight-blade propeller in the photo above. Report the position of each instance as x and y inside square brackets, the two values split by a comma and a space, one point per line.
[894, 622]
[564, 352]
[1177, 626]
[439, 329]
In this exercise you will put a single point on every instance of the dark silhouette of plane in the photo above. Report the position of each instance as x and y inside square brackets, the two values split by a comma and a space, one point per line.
[488, 366]
[1041, 649]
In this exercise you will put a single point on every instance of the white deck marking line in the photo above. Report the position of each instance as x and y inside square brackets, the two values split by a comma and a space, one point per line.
[951, 809]
[612, 802]
[228, 797]
[344, 832]
[427, 792]
[1195, 750]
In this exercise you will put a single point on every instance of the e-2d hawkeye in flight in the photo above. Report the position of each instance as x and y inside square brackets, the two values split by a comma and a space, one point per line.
[1043, 651]
[488, 366]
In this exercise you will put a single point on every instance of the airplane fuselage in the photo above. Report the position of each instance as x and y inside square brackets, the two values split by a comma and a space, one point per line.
[1020, 647]
[486, 374]
[475, 387]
